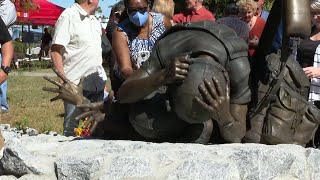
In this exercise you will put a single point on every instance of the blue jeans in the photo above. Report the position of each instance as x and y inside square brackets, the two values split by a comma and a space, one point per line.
[3, 93]
[71, 112]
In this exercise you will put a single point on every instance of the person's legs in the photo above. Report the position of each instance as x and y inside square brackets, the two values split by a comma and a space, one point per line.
[94, 96]
[71, 112]
[3, 94]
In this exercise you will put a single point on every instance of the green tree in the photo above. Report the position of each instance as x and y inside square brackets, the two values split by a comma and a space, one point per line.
[25, 5]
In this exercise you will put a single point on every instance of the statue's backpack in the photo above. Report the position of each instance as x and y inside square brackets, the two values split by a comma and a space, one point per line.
[288, 117]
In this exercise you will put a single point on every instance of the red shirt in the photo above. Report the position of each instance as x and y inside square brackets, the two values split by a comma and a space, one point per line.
[193, 16]
[256, 31]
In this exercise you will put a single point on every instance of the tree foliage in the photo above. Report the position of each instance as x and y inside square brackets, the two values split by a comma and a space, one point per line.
[25, 5]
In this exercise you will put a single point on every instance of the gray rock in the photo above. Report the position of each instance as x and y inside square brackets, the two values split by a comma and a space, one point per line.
[9, 135]
[126, 166]
[77, 167]
[52, 133]
[4, 126]
[313, 163]
[37, 177]
[31, 132]
[205, 169]
[8, 178]
[50, 157]
[18, 161]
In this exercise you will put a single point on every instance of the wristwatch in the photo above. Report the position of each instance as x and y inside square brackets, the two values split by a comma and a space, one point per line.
[6, 69]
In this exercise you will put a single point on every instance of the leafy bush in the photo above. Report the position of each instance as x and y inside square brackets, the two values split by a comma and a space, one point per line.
[20, 47]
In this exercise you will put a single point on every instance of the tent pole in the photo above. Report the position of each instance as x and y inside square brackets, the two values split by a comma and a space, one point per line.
[29, 38]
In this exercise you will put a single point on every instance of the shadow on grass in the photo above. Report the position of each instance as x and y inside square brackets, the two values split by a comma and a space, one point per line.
[60, 115]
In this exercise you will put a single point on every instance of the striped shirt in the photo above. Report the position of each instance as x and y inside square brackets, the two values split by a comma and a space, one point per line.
[314, 94]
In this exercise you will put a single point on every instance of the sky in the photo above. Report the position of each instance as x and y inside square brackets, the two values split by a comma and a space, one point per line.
[104, 4]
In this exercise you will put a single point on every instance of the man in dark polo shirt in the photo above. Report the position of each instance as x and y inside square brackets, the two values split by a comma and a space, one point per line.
[194, 12]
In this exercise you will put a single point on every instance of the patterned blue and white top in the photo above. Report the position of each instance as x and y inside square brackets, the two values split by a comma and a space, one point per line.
[140, 49]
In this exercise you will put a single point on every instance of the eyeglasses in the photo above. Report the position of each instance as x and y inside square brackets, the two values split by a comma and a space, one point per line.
[140, 9]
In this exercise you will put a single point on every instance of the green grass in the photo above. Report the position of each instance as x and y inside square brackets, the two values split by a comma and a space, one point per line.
[30, 106]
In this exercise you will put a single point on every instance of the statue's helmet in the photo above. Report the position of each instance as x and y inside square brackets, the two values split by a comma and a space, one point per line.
[183, 94]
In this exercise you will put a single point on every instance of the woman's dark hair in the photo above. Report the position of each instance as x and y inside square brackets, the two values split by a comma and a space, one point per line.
[124, 14]
[231, 9]
[119, 6]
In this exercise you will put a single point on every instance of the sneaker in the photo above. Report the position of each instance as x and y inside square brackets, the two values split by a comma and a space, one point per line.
[3, 110]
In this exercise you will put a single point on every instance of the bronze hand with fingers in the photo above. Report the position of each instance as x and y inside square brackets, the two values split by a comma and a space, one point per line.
[215, 101]
[177, 70]
[67, 90]
[95, 112]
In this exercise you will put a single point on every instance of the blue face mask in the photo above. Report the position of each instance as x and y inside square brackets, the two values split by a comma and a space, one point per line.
[138, 19]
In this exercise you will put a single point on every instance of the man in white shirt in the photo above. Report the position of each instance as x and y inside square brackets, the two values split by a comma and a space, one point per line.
[9, 16]
[76, 53]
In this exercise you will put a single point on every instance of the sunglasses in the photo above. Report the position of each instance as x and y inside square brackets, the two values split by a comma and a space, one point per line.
[140, 9]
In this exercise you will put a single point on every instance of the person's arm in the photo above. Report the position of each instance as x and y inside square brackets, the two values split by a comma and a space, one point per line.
[122, 53]
[312, 72]
[56, 57]
[6, 49]
[61, 38]
[7, 55]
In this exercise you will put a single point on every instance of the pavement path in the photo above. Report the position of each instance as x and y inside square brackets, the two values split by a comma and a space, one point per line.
[33, 74]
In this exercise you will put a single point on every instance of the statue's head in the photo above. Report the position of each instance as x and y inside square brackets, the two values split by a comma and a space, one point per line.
[183, 94]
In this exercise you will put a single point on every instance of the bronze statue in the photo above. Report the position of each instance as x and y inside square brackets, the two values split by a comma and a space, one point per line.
[190, 98]
[200, 85]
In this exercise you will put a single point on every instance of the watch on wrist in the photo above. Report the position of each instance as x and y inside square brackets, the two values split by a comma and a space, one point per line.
[6, 69]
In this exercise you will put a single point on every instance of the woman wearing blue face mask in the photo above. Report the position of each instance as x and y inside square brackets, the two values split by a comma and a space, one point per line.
[133, 39]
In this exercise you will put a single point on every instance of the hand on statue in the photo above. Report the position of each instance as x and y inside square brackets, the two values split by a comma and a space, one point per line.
[95, 112]
[254, 41]
[67, 90]
[177, 71]
[215, 101]
[312, 72]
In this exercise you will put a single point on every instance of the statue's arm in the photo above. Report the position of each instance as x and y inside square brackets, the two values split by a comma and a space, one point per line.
[234, 129]
[151, 76]
[139, 85]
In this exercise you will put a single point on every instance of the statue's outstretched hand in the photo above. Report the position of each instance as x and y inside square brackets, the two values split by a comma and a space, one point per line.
[215, 101]
[95, 112]
[67, 90]
[178, 70]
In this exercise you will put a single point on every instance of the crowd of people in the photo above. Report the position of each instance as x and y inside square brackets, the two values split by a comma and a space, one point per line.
[153, 50]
